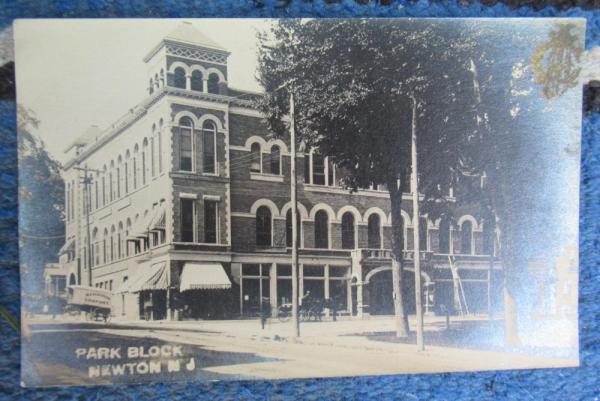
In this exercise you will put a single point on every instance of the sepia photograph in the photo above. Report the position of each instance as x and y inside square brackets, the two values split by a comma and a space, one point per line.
[233, 199]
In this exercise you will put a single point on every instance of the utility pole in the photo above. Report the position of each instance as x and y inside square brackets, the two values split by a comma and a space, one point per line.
[87, 181]
[294, 199]
[417, 251]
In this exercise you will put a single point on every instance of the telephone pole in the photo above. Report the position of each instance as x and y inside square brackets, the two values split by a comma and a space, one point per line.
[87, 181]
[417, 250]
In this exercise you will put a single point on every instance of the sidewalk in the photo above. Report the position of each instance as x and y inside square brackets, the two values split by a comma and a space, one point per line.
[336, 348]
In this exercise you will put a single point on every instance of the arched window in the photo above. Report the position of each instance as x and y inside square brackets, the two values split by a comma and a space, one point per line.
[197, 82]
[134, 169]
[113, 247]
[120, 241]
[348, 230]
[126, 172]
[321, 229]
[275, 160]
[152, 152]
[94, 250]
[144, 160]
[288, 228]
[119, 172]
[256, 157]
[466, 238]
[263, 226]
[111, 194]
[185, 144]
[213, 83]
[179, 78]
[209, 136]
[127, 232]
[374, 231]
[105, 247]
[488, 237]
[68, 201]
[160, 162]
[104, 197]
[423, 234]
[444, 235]
[96, 192]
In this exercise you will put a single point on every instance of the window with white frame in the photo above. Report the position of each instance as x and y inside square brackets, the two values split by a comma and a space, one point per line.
[321, 229]
[374, 231]
[188, 220]
[263, 226]
[319, 170]
[186, 129]
[209, 148]
[348, 231]
[255, 158]
[275, 160]
[466, 238]
[211, 221]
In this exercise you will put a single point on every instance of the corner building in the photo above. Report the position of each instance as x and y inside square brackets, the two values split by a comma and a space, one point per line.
[187, 213]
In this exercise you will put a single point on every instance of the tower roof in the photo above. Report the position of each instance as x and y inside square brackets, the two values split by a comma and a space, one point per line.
[186, 33]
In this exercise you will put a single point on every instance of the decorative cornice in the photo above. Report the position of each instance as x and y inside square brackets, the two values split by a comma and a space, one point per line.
[191, 51]
[141, 109]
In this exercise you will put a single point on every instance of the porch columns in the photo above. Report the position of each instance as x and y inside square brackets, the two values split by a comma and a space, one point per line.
[300, 283]
[326, 289]
[359, 300]
[273, 289]
[349, 296]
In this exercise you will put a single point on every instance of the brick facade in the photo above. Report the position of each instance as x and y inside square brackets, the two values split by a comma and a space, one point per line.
[237, 191]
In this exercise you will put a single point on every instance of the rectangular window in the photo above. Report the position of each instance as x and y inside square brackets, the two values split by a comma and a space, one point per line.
[307, 169]
[185, 150]
[208, 152]
[187, 220]
[330, 172]
[160, 164]
[318, 176]
[211, 219]
[152, 150]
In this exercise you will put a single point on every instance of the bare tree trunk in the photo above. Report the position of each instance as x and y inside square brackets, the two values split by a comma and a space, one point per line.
[511, 268]
[402, 328]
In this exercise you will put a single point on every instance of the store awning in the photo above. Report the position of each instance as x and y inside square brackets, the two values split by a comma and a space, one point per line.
[153, 221]
[139, 230]
[204, 276]
[158, 221]
[69, 246]
[148, 277]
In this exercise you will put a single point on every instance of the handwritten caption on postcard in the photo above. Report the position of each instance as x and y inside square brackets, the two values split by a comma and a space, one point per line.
[141, 360]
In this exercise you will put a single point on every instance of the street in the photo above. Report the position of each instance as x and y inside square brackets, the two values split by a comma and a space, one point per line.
[240, 349]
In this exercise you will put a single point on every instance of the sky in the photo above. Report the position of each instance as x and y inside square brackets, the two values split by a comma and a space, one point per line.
[74, 73]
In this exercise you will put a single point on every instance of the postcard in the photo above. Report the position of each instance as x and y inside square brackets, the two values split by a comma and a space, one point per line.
[275, 199]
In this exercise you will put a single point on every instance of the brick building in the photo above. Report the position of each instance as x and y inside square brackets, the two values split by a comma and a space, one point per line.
[189, 210]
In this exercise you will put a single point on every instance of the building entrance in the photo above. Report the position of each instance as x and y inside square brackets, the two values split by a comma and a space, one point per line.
[379, 292]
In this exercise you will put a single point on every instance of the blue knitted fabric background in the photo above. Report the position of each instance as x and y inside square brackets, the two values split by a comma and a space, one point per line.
[544, 384]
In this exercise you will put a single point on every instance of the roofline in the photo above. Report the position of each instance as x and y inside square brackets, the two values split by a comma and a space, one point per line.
[137, 112]
[164, 41]
[251, 92]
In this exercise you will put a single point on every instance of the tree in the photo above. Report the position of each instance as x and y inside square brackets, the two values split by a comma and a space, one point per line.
[41, 203]
[357, 85]
[526, 121]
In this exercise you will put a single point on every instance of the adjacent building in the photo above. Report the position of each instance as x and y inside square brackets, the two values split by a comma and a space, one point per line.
[186, 210]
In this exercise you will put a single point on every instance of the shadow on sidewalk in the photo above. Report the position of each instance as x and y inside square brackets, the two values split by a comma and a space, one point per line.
[475, 335]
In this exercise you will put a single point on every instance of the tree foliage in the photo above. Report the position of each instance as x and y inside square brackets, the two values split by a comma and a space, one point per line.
[41, 203]
[357, 85]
